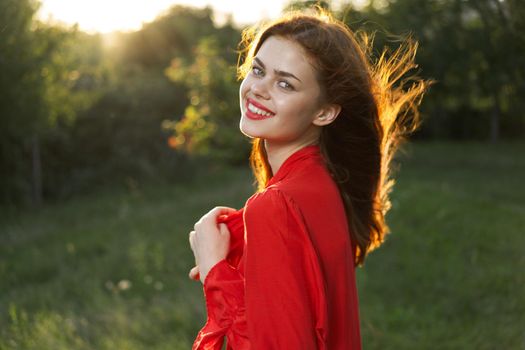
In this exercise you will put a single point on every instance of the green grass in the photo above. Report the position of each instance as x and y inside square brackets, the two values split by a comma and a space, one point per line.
[109, 270]
[452, 274]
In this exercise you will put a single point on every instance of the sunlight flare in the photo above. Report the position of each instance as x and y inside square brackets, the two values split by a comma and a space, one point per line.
[120, 15]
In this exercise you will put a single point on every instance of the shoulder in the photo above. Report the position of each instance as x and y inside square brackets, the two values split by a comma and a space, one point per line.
[271, 207]
[272, 201]
[273, 220]
[309, 185]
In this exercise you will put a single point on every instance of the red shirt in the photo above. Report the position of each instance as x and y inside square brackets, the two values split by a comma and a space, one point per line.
[289, 279]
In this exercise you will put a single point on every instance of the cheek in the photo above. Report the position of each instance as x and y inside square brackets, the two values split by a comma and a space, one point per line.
[243, 89]
[298, 116]
[295, 111]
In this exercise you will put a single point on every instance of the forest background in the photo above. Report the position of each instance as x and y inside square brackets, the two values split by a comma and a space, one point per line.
[113, 145]
[79, 110]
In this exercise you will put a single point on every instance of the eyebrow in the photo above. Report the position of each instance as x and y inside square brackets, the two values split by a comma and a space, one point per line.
[278, 72]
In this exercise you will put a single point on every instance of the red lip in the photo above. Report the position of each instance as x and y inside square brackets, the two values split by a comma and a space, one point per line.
[255, 116]
[258, 105]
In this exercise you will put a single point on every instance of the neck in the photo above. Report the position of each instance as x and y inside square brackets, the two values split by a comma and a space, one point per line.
[278, 153]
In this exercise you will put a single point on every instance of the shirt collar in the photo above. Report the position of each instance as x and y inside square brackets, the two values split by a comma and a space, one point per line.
[310, 151]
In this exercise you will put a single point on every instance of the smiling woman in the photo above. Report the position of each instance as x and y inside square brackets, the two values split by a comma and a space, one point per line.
[325, 121]
[282, 87]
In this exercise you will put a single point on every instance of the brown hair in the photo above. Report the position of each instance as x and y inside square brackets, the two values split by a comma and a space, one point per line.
[377, 112]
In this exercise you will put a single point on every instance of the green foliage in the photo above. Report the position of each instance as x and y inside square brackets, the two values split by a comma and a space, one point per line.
[109, 270]
[19, 87]
[472, 49]
[90, 113]
[38, 72]
[209, 123]
[78, 110]
[65, 71]
[171, 34]
[308, 4]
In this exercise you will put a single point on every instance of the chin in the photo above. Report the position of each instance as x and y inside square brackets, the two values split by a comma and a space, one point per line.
[249, 130]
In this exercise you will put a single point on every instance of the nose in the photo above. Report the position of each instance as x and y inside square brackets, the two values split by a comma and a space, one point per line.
[260, 88]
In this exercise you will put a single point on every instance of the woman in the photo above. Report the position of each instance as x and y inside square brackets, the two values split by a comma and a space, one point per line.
[325, 122]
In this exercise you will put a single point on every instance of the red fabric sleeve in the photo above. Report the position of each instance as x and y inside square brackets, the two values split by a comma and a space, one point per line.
[224, 294]
[279, 303]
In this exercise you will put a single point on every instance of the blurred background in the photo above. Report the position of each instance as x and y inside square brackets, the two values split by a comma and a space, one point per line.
[119, 130]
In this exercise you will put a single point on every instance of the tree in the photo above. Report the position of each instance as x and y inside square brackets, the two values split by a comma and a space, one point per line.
[473, 49]
[209, 124]
[21, 98]
[43, 83]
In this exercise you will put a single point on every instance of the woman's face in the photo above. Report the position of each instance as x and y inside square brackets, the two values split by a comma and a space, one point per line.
[279, 96]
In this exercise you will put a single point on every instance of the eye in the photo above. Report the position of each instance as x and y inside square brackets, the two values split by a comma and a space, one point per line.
[286, 85]
[257, 71]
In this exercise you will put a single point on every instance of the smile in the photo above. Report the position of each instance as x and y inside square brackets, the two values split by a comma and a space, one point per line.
[257, 111]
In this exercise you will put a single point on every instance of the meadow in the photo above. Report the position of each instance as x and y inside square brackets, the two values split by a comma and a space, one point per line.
[108, 270]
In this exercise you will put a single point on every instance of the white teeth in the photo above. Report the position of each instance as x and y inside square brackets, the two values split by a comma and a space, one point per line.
[256, 110]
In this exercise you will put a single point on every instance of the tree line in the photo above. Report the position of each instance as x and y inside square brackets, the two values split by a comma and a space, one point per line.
[82, 110]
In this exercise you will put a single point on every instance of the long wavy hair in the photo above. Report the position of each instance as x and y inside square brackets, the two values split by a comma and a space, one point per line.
[378, 110]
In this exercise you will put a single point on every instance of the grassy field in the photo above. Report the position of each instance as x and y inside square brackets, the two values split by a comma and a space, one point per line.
[109, 270]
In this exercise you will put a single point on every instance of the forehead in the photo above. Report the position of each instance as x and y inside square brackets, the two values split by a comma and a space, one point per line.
[283, 54]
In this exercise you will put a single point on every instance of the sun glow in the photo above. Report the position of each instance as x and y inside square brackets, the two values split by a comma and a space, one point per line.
[126, 15]
[102, 16]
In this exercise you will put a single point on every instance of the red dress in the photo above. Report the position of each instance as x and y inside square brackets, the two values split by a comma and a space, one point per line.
[289, 279]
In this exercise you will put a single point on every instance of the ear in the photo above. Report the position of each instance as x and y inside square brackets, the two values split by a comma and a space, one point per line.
[327, 115]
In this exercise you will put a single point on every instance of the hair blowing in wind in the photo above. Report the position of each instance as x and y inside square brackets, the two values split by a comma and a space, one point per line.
[379, 101]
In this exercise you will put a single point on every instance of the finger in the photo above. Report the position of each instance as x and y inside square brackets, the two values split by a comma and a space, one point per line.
[197, 224]
[223, 228]
[213, 215]
[192, 245]
[191, 238]
[194, 273]
[217, 211]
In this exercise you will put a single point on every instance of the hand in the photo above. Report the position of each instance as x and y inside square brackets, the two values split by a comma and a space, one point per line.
[209, 242]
